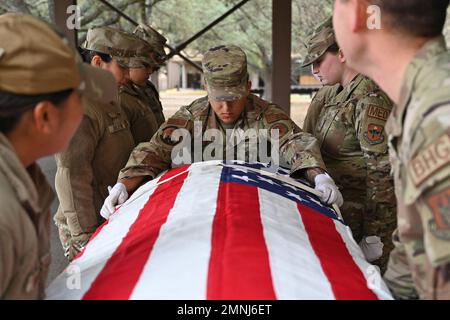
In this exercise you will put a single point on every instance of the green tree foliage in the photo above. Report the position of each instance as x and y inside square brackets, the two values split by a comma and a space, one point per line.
[249, 27]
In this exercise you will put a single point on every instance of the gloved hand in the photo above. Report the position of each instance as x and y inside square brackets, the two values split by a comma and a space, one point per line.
[76, 245]
[372, 247]
[117, 195]
[330, 192]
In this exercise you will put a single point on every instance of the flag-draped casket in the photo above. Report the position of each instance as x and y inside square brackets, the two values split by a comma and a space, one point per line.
[216, 230]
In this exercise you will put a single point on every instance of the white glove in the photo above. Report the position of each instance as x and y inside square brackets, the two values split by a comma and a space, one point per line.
[117, 195]
[372, 247]
[330, 192]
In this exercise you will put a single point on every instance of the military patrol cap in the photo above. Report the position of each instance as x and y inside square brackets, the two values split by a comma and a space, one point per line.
[36, 60]
[155, 39]
[319, 41]
[142, 60]
[225, 72]
[119, 44]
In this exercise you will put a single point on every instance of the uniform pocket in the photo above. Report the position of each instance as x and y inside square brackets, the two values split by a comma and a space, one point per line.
[116, 122]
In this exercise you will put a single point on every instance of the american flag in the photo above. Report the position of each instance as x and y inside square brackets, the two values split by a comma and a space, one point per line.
[217, 230]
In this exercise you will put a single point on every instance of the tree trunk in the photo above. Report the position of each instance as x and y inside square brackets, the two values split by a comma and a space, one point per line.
[149, 9]
[51, 10]
[266, 75]
[141, 12]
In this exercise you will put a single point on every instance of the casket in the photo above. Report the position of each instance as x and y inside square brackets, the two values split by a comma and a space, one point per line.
[222, 230]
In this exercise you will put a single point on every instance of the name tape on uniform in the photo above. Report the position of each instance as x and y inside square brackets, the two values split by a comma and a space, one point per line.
[378, 112]
[430, 160]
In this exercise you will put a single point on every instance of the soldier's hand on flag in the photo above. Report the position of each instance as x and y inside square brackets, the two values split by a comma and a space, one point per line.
[330, 193]
[117, 195]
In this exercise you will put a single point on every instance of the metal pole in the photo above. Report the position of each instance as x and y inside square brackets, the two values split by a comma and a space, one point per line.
[281, 48]
[61, 18]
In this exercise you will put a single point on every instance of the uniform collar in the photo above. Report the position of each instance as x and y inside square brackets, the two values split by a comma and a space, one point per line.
[129, 88]
[429, 50]
[347, 91]
[251, 111]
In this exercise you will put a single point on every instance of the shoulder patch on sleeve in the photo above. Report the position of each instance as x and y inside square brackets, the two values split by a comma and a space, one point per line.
[282, 129]
[377, 112]
[166, 136]
[371, 116]
[178, 122]
[273, 117]
[431, 159]
[439, 205]
[374, 134]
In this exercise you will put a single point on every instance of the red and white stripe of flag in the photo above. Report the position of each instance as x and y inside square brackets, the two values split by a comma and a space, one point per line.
[199, 238]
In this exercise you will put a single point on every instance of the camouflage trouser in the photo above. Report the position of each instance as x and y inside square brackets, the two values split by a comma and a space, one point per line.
[382, 262]
[385, 232]
[72, 246]
[354, 218]
[398, 275]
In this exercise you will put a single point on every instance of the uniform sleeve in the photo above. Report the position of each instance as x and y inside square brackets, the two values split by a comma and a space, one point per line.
[74, 180]
[372, 113]
[151, 158]
[7, 258]
[427, 199]
[298, 150]
[313, 113]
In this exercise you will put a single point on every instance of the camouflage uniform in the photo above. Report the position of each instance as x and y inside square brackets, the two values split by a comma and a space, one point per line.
[90, 164]
[225, 69]
[155, 40]
[142, 109]
[24, 227]
[419, 136]
[353, 143]
[350, 130]
[150, 95]
[34, 61]
[141, 104]
[97, 152]
[297, 149]
[323, 96]
[317, 44]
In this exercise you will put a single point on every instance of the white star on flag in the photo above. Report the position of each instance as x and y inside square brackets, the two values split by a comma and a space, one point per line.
[245, 178]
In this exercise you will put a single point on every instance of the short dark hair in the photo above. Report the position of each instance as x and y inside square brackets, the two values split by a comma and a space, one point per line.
[419, 18]
[88, 55]
[334, 48]
[13, 106]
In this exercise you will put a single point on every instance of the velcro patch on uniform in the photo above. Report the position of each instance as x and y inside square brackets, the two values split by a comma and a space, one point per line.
[431, 159]
[177, 122]
[378, 113]
[282, 129]
[118, 126]
[374, 134]
[439, 205]
[166, 136]
[271, 118]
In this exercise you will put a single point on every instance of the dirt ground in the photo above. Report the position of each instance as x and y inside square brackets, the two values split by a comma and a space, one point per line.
[172, 100]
